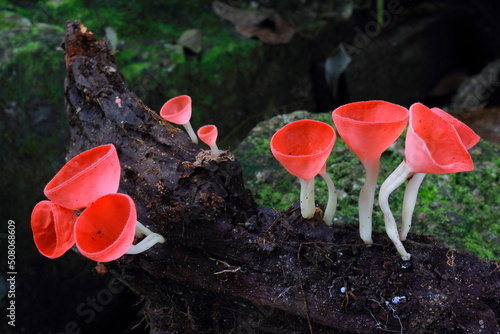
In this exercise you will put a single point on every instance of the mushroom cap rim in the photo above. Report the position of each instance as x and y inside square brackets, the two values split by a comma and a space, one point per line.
[321, 152]
[337, 113]
[80, 173]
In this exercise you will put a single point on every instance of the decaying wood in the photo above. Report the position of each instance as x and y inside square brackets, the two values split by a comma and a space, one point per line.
[229, 266]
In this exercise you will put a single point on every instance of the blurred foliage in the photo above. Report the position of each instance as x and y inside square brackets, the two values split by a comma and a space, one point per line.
[147, 52]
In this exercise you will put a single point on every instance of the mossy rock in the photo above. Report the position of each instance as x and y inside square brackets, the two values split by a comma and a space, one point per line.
[461, 210]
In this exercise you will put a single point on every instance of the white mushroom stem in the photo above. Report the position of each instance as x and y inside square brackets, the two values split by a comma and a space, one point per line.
[149, 241]
[366, 199]
[190, 132]
[307, 206]
[398, 177]
[409, 201]
[215, 150]
[331, 206]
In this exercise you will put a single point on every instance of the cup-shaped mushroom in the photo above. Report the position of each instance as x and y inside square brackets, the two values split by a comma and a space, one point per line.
[105, 230]
[85, 178]
[435, 144]
[303, 147]
[208, 135]
[178, 110]
[468, 137]
[52, 227]
[369, 128]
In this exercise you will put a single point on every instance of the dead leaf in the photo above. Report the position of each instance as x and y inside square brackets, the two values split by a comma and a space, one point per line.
[264, 24]
[191, 40]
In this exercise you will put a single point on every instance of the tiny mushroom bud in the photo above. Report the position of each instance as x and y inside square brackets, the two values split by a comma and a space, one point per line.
[105, 230]
[85, 178]
[118, 101]
[178, 110]
[434, 144]
[369, 128]
[303, 147]
[208, 135]
[52, 227]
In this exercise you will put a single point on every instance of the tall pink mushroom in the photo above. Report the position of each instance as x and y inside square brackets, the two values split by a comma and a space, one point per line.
[369, 128]
[178, 110]
[86, 177]
[52, 227]
[303, 147]
[469, 139]
[433, 145]
[105, 230]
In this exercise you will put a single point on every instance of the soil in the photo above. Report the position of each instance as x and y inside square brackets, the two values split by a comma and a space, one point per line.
[295, 276]
[373, 290]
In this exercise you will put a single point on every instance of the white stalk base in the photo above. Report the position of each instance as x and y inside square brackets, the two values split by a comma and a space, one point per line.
[215, 150]
[398, 177]
[366, 199]
[331, 206]
[307, 206]
[149, 241]
[409, 201]
[190, 132]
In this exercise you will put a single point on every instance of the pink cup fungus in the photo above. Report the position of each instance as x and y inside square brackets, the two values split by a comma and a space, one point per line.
[208, 135]
[178, 110]
[303, 147]
[369, 128]
[105, 230]
[469, 139]
[436, 143]
[86, 177]
[52, 227]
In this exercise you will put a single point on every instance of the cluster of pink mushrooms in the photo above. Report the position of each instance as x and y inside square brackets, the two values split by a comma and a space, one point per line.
[178, 110]
[105, 228]
[85, 209]
[436, 143]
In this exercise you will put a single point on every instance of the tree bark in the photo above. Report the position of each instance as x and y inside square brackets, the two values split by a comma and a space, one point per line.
[230, 266]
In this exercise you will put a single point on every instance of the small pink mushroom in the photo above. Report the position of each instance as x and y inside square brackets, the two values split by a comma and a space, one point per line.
[52, 227]
[434, 144]
[208, 135]
[105, 230]
[369, 128]
[178, 110]
[303, 147]
[118, 101]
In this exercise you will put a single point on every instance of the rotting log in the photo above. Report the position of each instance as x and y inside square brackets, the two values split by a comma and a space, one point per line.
[230, 266]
